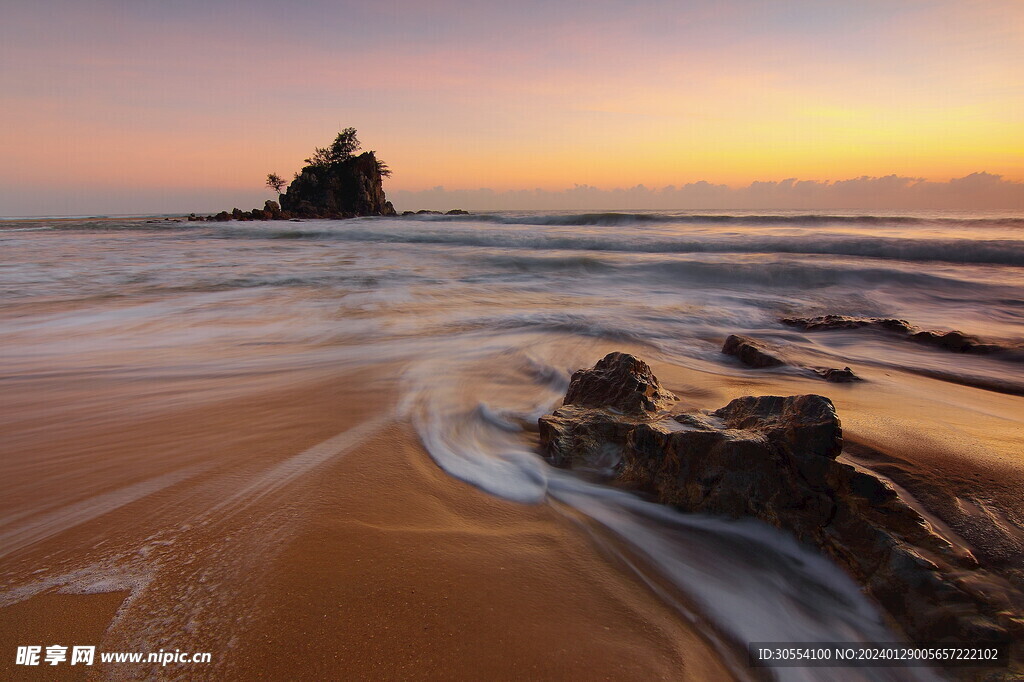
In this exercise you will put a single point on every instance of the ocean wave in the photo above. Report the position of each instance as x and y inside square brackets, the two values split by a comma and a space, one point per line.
[601, 325]
[616, 218]
[785, 273]
[912, 249]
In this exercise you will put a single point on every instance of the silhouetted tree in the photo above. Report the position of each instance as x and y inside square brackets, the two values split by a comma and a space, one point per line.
[275, 182]
[344, 146]
[382, 168]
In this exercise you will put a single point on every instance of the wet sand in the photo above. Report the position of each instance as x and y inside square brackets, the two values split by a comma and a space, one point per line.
[357, 559]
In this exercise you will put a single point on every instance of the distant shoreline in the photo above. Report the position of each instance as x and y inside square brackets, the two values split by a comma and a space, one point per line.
[94, 218]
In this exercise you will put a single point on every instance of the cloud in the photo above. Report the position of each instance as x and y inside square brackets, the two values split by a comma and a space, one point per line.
[975, 191]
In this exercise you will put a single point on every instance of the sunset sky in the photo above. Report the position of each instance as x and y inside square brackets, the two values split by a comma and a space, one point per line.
[147, 105]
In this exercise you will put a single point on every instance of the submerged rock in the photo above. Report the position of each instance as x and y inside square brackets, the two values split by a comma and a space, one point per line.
[837, 376]
[954, 340]
[774, 458]
[758, 354]
[845, 322]
[423, 211]
[751, 352]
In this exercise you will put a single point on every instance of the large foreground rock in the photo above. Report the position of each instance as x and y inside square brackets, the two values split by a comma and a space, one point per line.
[774, 458]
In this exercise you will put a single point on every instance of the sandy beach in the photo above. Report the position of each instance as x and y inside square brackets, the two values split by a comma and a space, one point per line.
[360, 559]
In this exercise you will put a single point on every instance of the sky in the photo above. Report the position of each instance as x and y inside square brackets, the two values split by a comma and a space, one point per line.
[112, 106]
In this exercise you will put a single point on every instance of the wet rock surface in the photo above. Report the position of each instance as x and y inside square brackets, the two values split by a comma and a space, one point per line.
[454, 211]
[759, 355]
[618, 381]
[823, 322]
[775, 458]
[954, 340]
[751, 352]
[837, 376]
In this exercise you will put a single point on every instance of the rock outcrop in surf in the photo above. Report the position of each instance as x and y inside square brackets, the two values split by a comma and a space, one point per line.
[760, 355]
[751, 352]
[952, 340]
[775, 458]
[335, 183]
[343, 189]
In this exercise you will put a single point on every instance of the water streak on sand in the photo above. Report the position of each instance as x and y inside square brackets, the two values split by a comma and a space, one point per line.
[63, 518]
[295, 467]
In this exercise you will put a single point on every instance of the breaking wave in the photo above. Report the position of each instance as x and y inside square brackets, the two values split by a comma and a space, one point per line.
[947, 250]
[615, 218]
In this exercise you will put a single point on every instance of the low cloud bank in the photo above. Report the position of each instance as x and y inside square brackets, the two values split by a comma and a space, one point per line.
[974, 191]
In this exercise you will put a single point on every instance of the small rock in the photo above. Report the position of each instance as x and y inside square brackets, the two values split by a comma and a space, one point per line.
[751, 352]
[837, 376]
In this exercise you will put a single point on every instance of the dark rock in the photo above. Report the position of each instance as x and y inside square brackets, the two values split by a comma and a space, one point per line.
[837, 376]
[588, 431]
[619, 381]
[823, 322]
[457, 211]
[584, 438]
[424, 211]
[955, 341]
[223, 216]
[751, 352]
[352, 187]
[272, 209]
[758, 354]
[775, 458]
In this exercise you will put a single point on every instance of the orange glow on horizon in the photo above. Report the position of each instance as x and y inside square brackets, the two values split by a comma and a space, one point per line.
[932, 92]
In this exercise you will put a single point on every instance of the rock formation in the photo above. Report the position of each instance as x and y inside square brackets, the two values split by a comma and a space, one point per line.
[619, 381]
[343, 189]
[757, 354]
[775, 458]
[335, 183]
[837, 376]
[751, 352]
[424, 211]
[954, 340]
